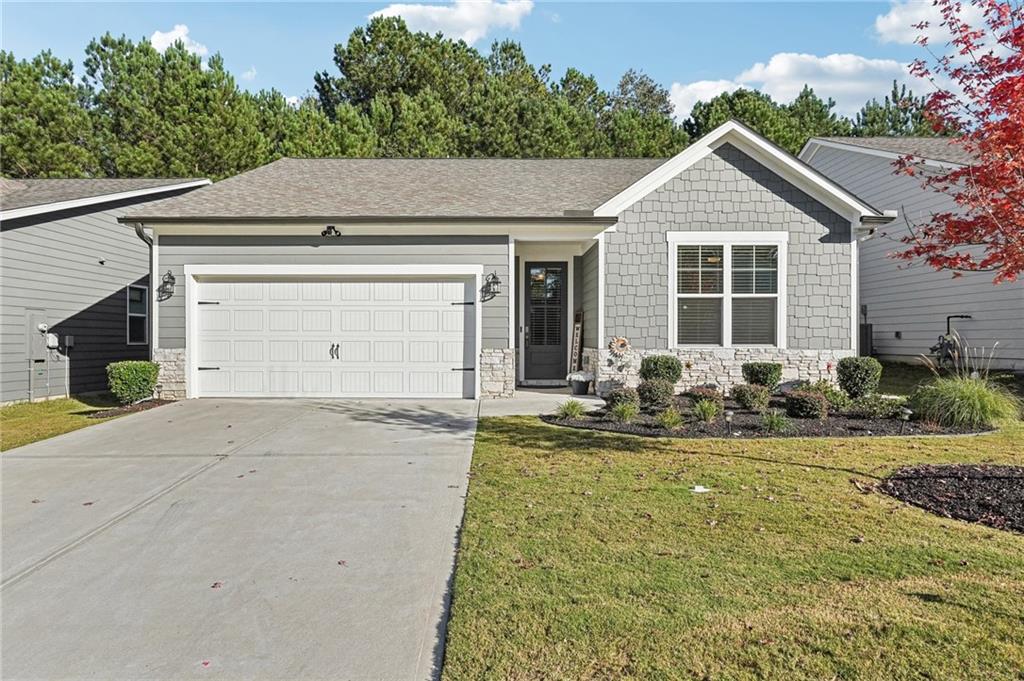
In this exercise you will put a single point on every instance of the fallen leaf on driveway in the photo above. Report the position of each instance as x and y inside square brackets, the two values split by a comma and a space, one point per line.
[37, 501]
[253, 470]
[205, 663]
[88, 503]
[216, 585]
[343, 563]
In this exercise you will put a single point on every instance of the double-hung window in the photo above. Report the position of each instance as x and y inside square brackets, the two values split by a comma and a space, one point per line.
[727, 288]
[138, 315]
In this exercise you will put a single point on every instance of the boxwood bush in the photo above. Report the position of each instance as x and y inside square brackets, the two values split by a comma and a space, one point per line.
[859, 376]
[876, 407]
[622, 396]
[803, 404]
[752, 396]
[837, 399]
[663, 367]
[656, 393]
[132, 381]
[706, 394]
[768, 374]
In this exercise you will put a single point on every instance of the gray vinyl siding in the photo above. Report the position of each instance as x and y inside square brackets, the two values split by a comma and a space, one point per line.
[914, 299]
[729, 191]
[590, 297]
[177, 251]
[52, 262]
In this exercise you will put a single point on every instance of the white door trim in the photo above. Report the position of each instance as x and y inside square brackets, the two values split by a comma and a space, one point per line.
[299, 272]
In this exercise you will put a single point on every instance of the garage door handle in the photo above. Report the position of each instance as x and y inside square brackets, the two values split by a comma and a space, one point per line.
[333, 352]
[209, 368]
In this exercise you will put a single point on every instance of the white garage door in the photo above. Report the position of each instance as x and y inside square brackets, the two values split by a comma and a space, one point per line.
[408, 338]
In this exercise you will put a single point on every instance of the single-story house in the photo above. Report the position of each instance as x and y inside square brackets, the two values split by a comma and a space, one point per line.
[470, 277]
[907, 307]
[74, 284]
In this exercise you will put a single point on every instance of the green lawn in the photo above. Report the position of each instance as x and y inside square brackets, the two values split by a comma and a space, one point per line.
[900, 378]
[586, 555]
[28, 422]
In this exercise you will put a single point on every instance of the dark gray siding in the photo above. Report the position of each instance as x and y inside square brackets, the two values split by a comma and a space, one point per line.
[914, 300]
[75, 266]
[729, 191]
[590, 297]
[490, 251]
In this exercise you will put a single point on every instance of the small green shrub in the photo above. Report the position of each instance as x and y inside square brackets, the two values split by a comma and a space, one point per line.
[656, 393]
[801, 404]
[622, 395]
[670, 419]
[859, 376]
[876, 407]
[698, 395]
[664, 367]
[774, 422]
[965, 402]
[624, 412]
[752, 396]
[707, 410]
[837, 399]
[132, 381]
[571, 409]
[768, 374]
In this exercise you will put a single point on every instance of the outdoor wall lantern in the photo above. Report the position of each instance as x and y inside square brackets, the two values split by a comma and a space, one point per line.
[166, 288]
[330, 232]
[491, 287]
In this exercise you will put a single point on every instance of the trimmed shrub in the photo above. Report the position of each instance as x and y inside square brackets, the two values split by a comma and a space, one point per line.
[754, 397]
[964, 402]
[670, 419]
[621, 396]
[624, 412]
[715, 395]
[768, 374]
[774, 422]
[132, 381]
[859, 376]
[802, 404]
[876, 407]
[707, 410]
[571, 409]
[837, 399]
[664, 367]
[656, 393]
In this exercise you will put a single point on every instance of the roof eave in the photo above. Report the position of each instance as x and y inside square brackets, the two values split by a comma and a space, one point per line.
[55, 206]
[576, 217]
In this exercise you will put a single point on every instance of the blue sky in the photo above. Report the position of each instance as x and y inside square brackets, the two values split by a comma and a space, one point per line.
[847, 50]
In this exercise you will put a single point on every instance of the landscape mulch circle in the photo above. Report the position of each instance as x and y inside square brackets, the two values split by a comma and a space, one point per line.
[128, 409]
[990, 495]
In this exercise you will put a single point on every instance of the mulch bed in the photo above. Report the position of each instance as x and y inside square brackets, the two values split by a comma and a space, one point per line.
[747, 424]
[128, 409]
[990, 495]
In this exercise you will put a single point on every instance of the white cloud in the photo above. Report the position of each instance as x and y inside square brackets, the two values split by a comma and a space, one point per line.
[293, 101]
[898, 24]
[849, 79]
[469, 20]
[685, 96]
[161, 40]
[250, 74]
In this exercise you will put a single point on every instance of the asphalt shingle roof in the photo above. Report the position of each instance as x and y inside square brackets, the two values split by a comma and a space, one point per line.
[933, 148]
[24, 193]
[294, 188]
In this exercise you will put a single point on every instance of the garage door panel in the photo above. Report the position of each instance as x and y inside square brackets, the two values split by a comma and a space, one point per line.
[341, 338]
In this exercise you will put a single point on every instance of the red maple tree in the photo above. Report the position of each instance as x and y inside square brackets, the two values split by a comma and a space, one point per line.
[980, 96]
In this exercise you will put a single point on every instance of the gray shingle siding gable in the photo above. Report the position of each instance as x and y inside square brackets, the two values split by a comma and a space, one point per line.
[174, 252]
[729, 191]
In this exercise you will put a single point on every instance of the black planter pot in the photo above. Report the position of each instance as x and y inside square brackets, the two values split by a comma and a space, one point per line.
[580, 387]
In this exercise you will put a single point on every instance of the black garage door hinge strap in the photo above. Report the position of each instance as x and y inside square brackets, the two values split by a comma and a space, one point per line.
[464, 369]
[208, 368]
[468, 302]
[209, 302]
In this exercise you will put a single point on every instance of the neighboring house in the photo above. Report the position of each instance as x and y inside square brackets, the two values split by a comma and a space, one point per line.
[907, 304]
[463, 277]
[66, 263]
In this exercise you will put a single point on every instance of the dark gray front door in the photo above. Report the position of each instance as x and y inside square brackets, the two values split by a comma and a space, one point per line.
[545, 321]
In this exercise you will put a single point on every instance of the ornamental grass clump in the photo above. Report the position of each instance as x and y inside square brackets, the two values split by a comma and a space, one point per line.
[753, 397]
[624, 412]
[571, 409]
[774, 422]
[707, 410]
[670, 419]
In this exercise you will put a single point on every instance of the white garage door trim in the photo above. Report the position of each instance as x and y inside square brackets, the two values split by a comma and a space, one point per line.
[473, 273]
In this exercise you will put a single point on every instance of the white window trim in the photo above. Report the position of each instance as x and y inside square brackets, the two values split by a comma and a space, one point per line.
[129, 314]
[728, 239]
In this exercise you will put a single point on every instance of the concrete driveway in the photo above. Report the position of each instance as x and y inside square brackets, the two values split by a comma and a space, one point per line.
[236, 539]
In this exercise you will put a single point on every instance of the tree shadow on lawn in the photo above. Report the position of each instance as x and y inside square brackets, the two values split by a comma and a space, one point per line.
[530, 432]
